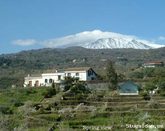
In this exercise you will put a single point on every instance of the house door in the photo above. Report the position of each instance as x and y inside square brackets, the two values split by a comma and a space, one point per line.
[30, 84]
[37, 83]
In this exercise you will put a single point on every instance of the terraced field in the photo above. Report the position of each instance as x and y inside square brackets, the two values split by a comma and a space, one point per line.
[63, 112]
[102, 113]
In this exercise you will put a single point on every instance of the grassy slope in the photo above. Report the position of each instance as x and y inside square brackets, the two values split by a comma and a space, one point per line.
[23, 95]
[109, 111]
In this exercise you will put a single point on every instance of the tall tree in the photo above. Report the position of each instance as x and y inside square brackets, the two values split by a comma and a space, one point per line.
[111, 75]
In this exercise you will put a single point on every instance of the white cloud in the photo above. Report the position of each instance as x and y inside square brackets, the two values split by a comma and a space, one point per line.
[162, 38]
[25, 42]
[159, 40]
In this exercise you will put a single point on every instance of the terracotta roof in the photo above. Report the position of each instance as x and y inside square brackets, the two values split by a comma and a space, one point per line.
[154, 62]
[34, 75]
[78, 69]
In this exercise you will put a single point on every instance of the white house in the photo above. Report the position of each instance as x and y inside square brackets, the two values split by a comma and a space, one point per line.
[46, 79]
[153, 64]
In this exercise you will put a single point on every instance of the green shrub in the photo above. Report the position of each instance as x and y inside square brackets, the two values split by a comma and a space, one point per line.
[136, 74]
[49, 93]
[79, 88]
[80, 96]
[153, 104]
[149, 86]
[30, 91]
[161, 92]
[5, 110]
[68, 83]
[17, 102]
[146, 96]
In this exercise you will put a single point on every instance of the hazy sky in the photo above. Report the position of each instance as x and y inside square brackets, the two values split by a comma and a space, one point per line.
[30, 20]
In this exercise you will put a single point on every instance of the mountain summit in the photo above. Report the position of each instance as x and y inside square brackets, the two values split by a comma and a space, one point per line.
[113, 43]
[97, 39]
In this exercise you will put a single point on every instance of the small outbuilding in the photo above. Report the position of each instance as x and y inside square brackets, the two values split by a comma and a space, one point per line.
[128, 88]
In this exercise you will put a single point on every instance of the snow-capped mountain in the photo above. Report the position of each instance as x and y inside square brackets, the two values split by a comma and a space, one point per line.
[97, 39]
[112, 43]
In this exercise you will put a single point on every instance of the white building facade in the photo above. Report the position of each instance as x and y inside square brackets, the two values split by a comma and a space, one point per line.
[46, 79]
[153, 64]
[33, 81]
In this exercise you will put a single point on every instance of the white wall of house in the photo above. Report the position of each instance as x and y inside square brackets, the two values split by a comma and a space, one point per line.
[77, 74]
[149, 66]
[47, 79]
[129, 94]
[153, 64]
[32, 81]
[86, 75]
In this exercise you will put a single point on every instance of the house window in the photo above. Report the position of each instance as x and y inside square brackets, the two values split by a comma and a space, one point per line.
[50, 80]
[77, 74]
[90, 72]
[69, 74]
[46, 80]
[59, 77]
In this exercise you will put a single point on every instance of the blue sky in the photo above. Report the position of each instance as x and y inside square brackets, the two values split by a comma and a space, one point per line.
[42, 20]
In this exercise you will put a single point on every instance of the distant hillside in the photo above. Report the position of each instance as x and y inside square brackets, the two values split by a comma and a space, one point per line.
[16, 66]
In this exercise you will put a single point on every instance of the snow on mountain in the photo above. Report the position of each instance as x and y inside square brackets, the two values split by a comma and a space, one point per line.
[112, 43]
[101, 40]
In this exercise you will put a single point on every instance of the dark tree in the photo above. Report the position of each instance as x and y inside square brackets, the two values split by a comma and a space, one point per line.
[111, 75]
[53, 85]
[75, 86]
[68, 83]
